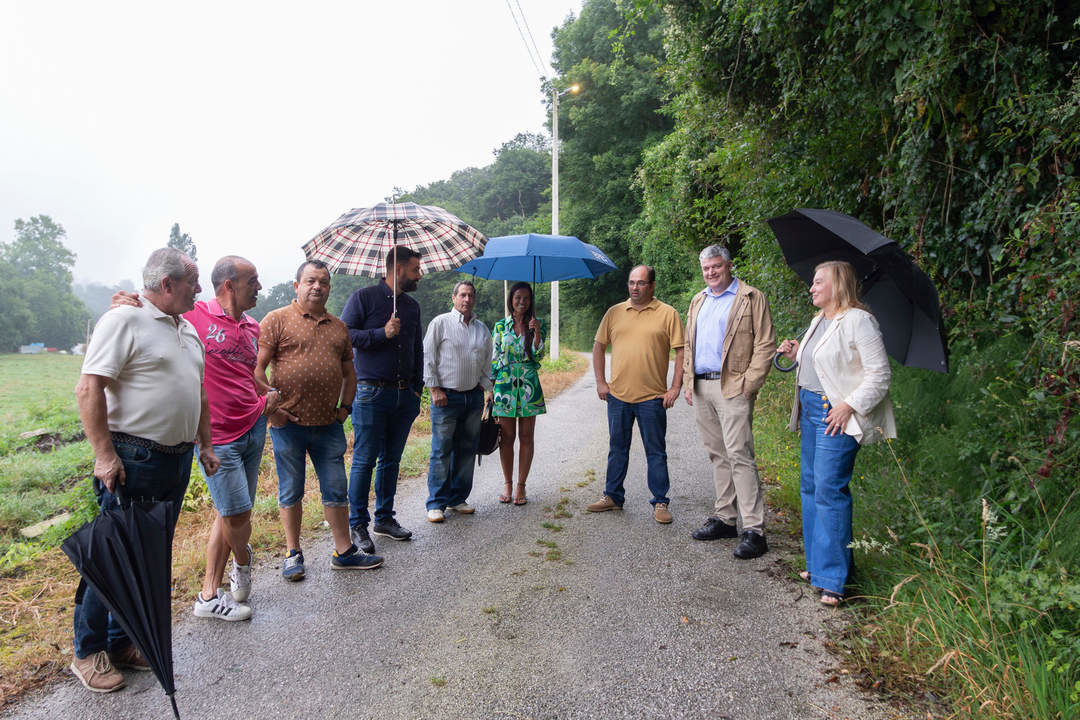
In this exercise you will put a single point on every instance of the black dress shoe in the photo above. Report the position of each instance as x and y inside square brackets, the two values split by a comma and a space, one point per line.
[714, 529]
[752, 545]
[391, 529]
[362, 540]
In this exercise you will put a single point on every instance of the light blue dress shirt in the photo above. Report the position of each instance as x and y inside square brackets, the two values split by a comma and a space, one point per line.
[711, 327]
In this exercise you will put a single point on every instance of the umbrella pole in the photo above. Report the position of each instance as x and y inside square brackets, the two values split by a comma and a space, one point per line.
[394, 255]
[175, 710]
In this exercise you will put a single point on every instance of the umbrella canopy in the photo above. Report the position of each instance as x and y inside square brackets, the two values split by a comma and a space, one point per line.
[125, 554]
[538, 258]
[901, 296]
[356, 243]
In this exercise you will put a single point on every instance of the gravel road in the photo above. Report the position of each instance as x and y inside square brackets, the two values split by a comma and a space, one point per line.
[495, 615]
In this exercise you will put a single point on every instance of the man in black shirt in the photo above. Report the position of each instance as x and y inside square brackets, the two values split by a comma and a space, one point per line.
[389, 361]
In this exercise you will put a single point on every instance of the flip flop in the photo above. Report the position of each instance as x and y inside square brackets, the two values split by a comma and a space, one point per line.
[505, 499]
[523, 501]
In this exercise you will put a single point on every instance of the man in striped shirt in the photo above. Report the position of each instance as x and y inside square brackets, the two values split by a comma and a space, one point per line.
[457, 369]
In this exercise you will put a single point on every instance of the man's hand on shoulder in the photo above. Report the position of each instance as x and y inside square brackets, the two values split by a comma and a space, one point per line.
[122, 297]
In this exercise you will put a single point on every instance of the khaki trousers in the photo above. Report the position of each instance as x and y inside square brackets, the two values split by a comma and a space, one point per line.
[726, 427]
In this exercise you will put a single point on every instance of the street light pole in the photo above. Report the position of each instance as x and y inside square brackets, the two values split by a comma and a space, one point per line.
[555, 95]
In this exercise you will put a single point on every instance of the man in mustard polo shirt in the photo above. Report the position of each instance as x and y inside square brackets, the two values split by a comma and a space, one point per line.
[642, 333]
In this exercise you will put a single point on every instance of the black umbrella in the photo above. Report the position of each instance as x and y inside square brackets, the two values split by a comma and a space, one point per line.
[125, 555]
[901, 296]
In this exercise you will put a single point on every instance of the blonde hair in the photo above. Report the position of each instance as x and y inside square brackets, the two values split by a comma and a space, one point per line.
[845, 287]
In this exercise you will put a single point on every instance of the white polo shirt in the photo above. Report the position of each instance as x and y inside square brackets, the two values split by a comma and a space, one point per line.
[157, 370]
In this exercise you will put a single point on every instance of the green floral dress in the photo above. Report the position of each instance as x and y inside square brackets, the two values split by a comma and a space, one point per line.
[517, 378]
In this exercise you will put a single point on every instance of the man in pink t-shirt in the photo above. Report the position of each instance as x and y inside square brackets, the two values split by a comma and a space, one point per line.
[237, 428]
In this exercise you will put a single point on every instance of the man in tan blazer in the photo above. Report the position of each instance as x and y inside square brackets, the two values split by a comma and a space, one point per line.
[730, 347]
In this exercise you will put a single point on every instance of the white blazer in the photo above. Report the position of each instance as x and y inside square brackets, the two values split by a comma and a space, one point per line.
[851, 362]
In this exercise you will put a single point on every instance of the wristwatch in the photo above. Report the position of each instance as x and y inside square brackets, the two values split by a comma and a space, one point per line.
[346, 408]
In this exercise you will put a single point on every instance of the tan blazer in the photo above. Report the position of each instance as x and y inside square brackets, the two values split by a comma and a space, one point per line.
[851, 362]
[749, 342]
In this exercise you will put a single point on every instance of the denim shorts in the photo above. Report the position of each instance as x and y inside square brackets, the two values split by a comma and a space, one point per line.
[232, 487]
[325, 444]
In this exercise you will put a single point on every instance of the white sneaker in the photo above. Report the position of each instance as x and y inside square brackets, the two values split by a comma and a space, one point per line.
[222, 607]
[463, 508]
[240, 578]
[435, 516]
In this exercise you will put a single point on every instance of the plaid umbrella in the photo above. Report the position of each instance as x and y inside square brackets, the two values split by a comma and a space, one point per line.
[356, 243]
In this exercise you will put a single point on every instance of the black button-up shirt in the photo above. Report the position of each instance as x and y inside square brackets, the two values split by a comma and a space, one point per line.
[377, 358]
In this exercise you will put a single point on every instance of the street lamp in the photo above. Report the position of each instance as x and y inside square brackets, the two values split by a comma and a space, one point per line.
[555, 95]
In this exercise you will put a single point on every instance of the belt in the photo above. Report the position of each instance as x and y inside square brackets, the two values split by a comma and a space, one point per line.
[397, 384]
[151, 445]
[708, 376]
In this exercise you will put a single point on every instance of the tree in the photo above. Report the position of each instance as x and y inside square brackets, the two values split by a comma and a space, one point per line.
[276, 297]
[182, 242]
[40, 306]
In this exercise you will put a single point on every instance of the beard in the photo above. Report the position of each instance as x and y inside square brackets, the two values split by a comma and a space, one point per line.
[407, 285]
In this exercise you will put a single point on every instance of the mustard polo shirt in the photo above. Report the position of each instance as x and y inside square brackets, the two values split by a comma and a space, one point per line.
[641, 343]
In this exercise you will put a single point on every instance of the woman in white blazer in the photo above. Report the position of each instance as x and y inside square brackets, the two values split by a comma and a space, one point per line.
[842, 403]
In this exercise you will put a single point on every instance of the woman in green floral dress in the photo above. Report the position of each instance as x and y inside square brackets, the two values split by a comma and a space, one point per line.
[515, 364]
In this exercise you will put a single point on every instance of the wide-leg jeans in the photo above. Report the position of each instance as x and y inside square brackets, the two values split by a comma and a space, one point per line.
[827, 464]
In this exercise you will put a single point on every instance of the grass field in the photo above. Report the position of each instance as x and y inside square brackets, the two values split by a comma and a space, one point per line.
[49, 474]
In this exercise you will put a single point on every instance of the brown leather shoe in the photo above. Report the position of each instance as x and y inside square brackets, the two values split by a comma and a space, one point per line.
[661, 514]
[603, 505]
[96, 673]
[129, 659]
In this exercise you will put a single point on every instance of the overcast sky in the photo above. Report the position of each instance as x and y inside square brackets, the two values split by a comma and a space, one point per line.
[252, 124]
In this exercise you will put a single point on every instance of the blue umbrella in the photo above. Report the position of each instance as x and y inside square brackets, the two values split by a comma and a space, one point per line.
[538, 258]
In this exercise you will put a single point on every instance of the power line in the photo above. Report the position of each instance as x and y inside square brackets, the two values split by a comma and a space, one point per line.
[529, 30]
[537, 64]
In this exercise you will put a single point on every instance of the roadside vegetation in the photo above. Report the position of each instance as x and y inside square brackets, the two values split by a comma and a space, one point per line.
[49, 475]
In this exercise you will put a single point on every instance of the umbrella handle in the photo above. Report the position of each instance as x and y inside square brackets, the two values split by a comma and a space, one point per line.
[792, 366]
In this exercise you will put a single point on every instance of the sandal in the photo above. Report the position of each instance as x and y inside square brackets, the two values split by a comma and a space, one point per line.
[505, 497]
[523, 499]
[831, 599]
[805, 575]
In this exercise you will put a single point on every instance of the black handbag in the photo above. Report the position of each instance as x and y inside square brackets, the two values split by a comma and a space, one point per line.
[490, 434]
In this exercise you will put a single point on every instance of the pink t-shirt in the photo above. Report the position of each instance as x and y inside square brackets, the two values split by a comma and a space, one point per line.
[232, 349]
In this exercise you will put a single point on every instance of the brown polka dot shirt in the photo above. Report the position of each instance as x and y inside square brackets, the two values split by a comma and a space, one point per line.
[306, 368]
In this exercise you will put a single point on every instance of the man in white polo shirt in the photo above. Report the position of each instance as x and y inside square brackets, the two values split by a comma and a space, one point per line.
[142, 403]
[457, 369]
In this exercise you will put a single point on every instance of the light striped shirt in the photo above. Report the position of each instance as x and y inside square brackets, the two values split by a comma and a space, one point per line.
[457, 356]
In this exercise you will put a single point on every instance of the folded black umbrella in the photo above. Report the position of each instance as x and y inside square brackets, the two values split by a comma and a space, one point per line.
[125, 555]
[901, 296]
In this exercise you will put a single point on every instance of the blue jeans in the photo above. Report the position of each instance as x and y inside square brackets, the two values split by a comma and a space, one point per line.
[150, 476]
[232, 487]
[652, 424]
[827, 462]
[382, 418]
[455, 431]
[325, 444]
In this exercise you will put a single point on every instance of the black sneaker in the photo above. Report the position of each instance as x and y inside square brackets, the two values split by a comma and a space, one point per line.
[391, 529]
[353, 559]
[752, 545]
[361, 539]
[714, 529]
